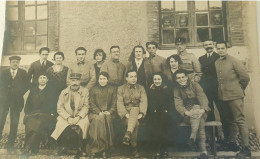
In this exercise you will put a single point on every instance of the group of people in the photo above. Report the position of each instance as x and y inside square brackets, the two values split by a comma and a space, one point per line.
[80, 106]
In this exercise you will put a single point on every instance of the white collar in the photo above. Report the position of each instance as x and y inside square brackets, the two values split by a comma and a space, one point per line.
[41, 61]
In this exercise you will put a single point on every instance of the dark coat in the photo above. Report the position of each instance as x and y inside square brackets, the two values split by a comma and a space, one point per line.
[12, 90]
[36, 69]
[209, 80]
[142, 75]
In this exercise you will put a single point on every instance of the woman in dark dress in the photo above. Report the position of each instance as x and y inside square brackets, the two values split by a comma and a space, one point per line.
[57, 77]
[100, 57]
[158, 114]
[39, 117]
[101, 114]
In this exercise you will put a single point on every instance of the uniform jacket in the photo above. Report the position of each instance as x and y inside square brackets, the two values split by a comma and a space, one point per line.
[209, 80]
[128, 97]
[81, 99]
[232, 78]
[12, 90]
[116, 71]
[87, 71]
[36, 69]
[191, 91]
[190, 62]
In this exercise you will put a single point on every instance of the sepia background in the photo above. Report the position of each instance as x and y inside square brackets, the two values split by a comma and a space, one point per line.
[66, 25]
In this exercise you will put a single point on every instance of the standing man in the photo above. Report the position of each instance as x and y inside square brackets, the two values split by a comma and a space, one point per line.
[154, 62]
[14, 84]
[114, 68]
[189, 61]
[131, 106]
[72, 122]
[40, 66]
[233, 80]
[84, 67]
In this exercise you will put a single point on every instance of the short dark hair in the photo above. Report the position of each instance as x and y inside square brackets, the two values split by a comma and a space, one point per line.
[151, 43]
[179, 72]
[44, 49]
[43, 74]
[222, 42]
[164, 78]
[129, 71]
[59, 53]
[103, 53]
[175, 57]
[80, 48]
[104, 74]
[132, 55]
[114, 46]
[208, 39]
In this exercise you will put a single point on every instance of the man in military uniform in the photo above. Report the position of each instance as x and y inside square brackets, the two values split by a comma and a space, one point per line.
[189, 61]
[131, 106]
[14, 83]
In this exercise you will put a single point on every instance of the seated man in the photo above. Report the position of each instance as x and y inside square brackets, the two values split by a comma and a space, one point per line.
[192, 104]
[72, 122]
[131, 106]
[39, 120]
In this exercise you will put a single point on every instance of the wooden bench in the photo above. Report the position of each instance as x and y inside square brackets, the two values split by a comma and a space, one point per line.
[213, 125]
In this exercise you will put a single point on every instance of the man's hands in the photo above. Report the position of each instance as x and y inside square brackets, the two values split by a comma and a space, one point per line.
[74, 121]
[195, 113]
[138, 117]
[127, 116]
[104, 113]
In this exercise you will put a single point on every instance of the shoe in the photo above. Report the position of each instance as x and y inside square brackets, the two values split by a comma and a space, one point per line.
[157, 155]
[232, 146]
[165, 154]
[62, 152]
[245, 152]
[92, 156]
[126, 139]
[135, 153]
[192, 144]
[203, 156]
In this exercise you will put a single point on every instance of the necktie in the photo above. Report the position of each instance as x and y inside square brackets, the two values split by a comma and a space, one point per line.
[208, 55]
[72, 103]
[43, 64]
[13, 74]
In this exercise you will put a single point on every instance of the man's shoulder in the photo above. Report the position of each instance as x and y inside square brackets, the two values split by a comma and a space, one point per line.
[37, 62]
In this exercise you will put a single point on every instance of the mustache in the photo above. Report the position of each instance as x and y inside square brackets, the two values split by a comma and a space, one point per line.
[208, 48]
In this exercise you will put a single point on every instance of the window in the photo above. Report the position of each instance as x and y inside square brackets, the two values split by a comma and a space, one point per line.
[193, 20]
[26, 26]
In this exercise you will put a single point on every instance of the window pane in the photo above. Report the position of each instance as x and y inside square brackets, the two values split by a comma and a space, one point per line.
[215, 4]
[42, 2]
[217, 34]
[182, 20]
[42, 12]
[41, 27]
[202, 34]
[12, 3]
[12, 42]
[168, 36]
[201, 5]
[168, 21]
[181, 6]
[41, 41]
[216, 18]
[12, 13]
[29, 28]
[30, 13]
[202, 19]
[183, 33]
[29, 2]
[29, 43]
[12, 28]
[166, 5]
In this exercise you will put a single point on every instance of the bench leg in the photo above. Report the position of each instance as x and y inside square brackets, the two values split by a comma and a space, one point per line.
[213, 142]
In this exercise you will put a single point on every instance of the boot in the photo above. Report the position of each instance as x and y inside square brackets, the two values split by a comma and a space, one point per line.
[245, 152]
[126, 139]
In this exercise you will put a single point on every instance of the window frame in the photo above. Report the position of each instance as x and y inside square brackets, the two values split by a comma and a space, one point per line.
[192, 26]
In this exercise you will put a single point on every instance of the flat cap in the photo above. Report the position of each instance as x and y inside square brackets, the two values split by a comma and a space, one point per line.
[15, 58]
[75, 76]
[180, 39]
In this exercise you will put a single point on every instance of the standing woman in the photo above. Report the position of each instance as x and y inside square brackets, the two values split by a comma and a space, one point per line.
[158, 114]
[136, 62]
[57, 77]
[173, 62]
[101, 114]
[100, 57]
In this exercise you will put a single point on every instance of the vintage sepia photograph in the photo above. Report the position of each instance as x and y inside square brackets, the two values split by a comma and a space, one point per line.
[161, 79]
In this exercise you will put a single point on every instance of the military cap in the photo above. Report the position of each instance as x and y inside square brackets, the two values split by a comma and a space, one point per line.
[15, 58]
[75, 76]
[180, 39]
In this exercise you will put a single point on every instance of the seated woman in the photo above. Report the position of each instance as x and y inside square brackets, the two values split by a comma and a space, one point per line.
[192, 104]
[39, 117]
[158, 114]
[101, 114]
